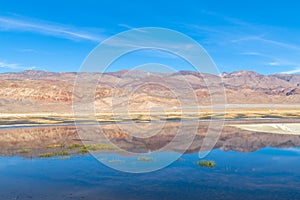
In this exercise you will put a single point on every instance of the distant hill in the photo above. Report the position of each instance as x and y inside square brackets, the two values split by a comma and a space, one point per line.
[50, 91]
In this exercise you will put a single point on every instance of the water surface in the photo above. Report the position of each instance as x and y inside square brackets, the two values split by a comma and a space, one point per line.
[247, 167]
[265, 174]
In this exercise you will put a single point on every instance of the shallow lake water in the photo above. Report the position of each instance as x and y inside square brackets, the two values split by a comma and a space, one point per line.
[269, 173]
[249, 165]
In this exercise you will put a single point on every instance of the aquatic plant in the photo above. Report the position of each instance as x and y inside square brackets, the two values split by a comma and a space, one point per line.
[116, 161]
[48, 155]
[145, 159]
[75, 146]
[23, 151]
[61, 153]
[53, 146]
[207, 163]
[83, 150]
[97, 147]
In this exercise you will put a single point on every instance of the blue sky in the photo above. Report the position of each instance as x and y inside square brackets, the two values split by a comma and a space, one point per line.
[261, 36]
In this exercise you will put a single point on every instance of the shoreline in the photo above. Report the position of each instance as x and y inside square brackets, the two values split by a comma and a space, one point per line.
[29, 123]
[239, 114]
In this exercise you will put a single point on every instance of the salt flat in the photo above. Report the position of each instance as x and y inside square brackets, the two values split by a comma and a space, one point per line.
[276, 128]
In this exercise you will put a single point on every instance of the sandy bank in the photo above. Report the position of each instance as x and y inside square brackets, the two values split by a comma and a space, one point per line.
[277, 128]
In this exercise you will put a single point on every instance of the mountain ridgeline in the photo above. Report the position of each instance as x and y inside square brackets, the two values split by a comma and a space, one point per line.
[50, 91]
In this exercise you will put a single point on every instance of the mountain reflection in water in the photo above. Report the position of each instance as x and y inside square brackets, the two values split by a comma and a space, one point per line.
[42, 139]
[263, 172]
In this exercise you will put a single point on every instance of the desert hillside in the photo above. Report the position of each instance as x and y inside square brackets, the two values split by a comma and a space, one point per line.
[40, 91]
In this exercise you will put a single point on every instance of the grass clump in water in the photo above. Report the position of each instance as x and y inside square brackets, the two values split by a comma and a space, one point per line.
[83, 150]
[207, 163]
[97, 147]
[145, 159]
[116, 161]
[23, 151]
[75, 146]
[49, 155]
[53, 146]
[61, 153]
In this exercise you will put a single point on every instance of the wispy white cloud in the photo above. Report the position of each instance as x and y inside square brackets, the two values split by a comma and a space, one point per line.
[274, 63]
[15, 66]
[130, 27]
[27, 50]
[157, 53]
[247, 38]
[46, 28]
[203, 28]
[9, 65]
[257, 45]
[126, 26]
[294, 71]
[252, 53]
[261, 38]
[277, 61]
[231, 20]
[246, 31]
[282, 44]
[135, 40]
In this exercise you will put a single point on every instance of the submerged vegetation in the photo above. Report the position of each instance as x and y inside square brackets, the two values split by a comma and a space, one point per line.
[94, 147]
[62, 153]
[46, 155]
[54, 146]
[60, 150]
[23, 151]
[206, 163]
[145, 159]
[49, 155]
[97, 147]
[75, 146]
[83, 150]
[116, 161]
[78, 148]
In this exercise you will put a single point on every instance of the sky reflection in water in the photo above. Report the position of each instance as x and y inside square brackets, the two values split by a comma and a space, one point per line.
[267, 173]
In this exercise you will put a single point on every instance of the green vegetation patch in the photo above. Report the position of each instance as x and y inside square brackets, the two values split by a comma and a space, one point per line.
[97, 147]
[61, 153]
[49, 155]
[206, 163]
[93, 147]
[54, 146]
[23, 151]
[46, 155]
[75, 146]
[83, 150]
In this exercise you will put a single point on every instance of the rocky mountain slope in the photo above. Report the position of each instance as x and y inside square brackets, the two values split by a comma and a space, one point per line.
[50, 91]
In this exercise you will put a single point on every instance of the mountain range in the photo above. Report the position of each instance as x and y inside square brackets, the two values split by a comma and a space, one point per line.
[40, 91]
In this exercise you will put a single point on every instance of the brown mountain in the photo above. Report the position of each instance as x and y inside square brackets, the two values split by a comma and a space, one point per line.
[40, 91]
